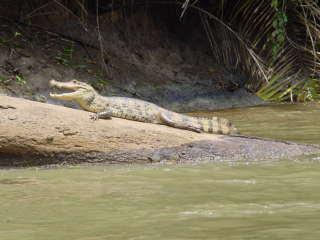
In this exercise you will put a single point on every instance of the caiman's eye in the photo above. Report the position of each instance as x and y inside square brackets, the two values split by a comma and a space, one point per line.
[74, 81]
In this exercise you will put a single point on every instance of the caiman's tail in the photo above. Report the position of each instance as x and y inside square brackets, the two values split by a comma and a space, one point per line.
[217, 125]
[209, 125]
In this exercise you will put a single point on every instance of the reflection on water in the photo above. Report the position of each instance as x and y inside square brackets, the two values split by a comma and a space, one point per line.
[214, 201]
[294, 122]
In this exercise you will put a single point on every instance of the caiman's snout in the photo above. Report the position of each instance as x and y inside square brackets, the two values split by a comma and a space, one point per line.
[52, 83]
[80, 90]
[71, 85]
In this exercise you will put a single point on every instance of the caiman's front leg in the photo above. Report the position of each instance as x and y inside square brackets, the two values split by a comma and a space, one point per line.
[101, 115]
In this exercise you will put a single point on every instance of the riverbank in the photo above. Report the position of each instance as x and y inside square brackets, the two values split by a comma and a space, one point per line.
[161, 68]
[33, 133]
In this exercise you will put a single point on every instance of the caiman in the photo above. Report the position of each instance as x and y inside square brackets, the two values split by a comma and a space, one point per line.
[137, 110]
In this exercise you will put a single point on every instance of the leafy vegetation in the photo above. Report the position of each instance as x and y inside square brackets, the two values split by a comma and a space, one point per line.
[10, 42]
[3, 80]
[279, 33]
[20, 79]
[275, 42]
[100, 81]
[17, 78]
[64, 57]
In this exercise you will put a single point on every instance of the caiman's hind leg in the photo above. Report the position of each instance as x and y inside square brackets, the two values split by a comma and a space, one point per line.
[183, 125]
[101, 115]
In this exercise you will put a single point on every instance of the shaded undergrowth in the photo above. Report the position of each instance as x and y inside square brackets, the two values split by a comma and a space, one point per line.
[275, 43]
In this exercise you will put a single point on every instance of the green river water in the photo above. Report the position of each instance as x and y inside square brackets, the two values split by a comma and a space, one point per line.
[276, 200]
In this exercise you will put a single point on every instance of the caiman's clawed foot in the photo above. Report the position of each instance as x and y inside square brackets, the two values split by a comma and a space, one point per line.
[94, 116]
[101, 115]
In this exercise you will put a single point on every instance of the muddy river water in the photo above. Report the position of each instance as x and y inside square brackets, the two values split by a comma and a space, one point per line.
[276, 200]
[293, 122]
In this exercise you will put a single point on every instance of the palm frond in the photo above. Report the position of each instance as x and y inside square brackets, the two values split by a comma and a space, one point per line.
[240, 36]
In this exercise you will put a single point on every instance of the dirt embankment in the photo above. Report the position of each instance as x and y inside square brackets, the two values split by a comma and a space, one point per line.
[33, 133]
[140, 58]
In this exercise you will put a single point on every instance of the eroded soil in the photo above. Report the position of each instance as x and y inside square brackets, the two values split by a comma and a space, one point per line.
[138, 58]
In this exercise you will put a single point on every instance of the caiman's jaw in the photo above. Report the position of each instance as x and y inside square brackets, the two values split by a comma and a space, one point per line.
[81, 90]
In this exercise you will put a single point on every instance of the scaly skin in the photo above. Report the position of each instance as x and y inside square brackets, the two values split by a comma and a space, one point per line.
[137, 110]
